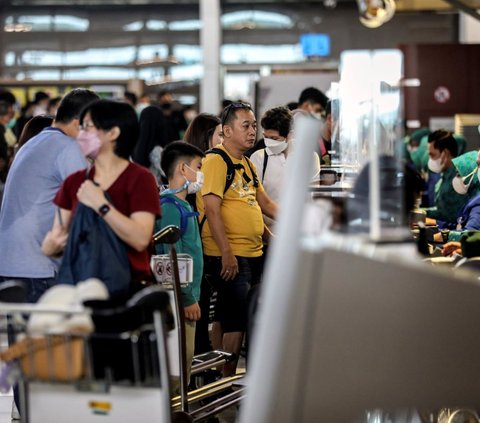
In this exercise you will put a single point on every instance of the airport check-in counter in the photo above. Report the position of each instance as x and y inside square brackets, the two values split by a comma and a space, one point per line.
[355, 327]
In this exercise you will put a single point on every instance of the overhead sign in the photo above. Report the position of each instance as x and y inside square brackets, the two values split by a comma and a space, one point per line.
[315, 44]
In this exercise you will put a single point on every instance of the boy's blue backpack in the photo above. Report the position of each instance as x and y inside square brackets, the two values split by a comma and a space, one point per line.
[185, 214]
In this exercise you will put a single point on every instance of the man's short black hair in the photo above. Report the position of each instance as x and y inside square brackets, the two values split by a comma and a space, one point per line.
[8, 97]
[131, 97]
[229, 113]
[73, 103]
[176, 151]
[279, 119]
[444, 140]
[40, 96]
[313, 95]
[292, 105]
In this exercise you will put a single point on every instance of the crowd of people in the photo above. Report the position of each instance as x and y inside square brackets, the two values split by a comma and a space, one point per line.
[452, 188]
[115, 156]
[139, 166]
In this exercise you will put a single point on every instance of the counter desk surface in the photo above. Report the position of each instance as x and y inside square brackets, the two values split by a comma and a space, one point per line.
[338, 189]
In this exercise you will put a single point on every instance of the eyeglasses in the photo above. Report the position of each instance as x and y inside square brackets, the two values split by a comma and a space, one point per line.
[233, 106]
[85, 125]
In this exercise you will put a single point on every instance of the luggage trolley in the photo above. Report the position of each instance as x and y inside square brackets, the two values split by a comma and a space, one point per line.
[121, 371]
[118, 373]
[212, 398]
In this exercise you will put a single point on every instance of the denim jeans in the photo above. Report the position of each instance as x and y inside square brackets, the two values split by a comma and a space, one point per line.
[34, 287]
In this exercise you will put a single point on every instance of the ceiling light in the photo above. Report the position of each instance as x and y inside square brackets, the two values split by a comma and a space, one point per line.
[17, 27]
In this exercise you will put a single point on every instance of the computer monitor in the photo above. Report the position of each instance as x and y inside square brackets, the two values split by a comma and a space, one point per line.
[353, 333]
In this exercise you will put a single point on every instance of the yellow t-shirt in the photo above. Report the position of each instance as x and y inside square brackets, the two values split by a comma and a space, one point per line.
[241, 213]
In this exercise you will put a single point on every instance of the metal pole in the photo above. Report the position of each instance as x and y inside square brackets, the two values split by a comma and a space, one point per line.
[182, 343]
[210, 40]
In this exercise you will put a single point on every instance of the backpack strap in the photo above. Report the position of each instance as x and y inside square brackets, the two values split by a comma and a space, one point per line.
[231, 167]
[201, 223]
[254, 174]
[185, 214]
[265, 162]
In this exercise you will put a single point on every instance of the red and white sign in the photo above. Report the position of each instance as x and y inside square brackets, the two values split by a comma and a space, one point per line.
[441, 94]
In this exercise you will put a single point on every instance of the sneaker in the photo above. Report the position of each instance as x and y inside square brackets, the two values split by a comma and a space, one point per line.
[15, 413]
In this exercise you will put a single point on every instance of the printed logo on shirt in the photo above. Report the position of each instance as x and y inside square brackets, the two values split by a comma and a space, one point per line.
[244, 189]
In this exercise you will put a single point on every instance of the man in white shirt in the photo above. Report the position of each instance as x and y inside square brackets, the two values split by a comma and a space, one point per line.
[270, 162]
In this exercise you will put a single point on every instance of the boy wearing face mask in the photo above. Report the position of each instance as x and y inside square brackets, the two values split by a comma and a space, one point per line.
[181, 163]
[442, 148]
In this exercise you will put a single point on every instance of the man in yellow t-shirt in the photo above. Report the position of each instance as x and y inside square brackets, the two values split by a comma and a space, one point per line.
[232, 233]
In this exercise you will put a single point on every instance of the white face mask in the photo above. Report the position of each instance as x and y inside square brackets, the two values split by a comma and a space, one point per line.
[316, 115]
[411, 149]
[193, 187]
[435, 165]
[276, 147]
[460, 184]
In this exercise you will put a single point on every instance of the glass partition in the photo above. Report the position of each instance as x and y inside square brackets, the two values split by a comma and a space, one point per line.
[370, 141]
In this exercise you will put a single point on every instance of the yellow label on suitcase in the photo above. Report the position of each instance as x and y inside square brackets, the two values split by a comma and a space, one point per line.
[100, 407]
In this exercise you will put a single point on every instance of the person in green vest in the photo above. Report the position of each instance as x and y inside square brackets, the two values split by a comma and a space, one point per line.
[442, 149]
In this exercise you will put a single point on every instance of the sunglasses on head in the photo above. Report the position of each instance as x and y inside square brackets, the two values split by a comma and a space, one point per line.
[233, 106]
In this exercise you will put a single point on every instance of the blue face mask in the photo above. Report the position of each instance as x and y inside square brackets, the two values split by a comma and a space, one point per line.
[11, 123]
[176, 190]
[191, 187]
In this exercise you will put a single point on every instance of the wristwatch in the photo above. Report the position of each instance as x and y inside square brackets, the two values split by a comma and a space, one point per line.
[103, 209]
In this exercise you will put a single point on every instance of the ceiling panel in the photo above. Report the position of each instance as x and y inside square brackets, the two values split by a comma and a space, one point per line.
[402, 5]
[134, 2]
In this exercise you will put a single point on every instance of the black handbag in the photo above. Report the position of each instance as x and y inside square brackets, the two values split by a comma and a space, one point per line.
[94, 251]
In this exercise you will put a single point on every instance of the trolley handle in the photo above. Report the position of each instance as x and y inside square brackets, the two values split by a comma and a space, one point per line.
[29, 308]
[168, 235]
